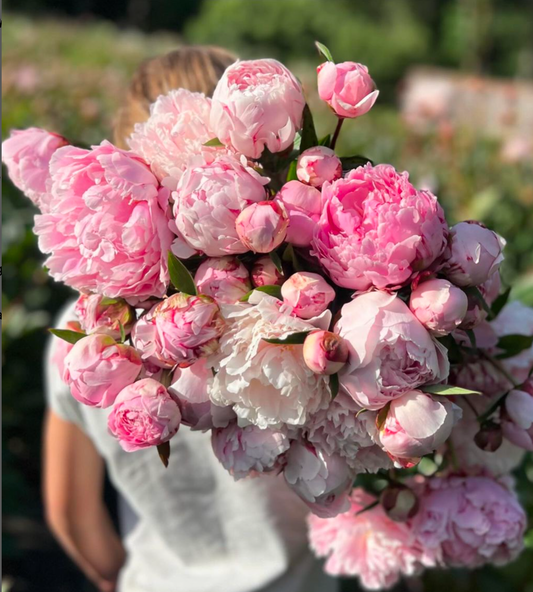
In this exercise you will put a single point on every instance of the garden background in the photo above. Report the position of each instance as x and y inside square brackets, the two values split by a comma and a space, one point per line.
[65, 67]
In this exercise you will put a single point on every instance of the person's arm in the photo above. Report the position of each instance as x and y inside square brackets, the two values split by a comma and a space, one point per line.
[74, 506]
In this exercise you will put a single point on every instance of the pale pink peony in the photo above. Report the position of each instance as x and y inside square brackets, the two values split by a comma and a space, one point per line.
[347, 88]
[174, 135]
[60, 347]
[369, 545]
[99, 314]
[268, 384]
[417, 424]
[144, 414]
[469, 521]
[390, 351]
[517, 416]
[304, 206]
[473, 255]
[476, 313]
[27, 154]
[208, 200]
[179, 330]
[265, 273]
[106, 230]
[225, 279]
[325, 352]
[262, 226]
[439, 306]
[97, 368]
[257, 103]
[307, 293]
[317, 165]
[377, 230]
[249, 450]
[321, 480]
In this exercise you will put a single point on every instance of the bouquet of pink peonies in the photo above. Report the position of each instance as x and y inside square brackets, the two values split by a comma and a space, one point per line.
[314, 312]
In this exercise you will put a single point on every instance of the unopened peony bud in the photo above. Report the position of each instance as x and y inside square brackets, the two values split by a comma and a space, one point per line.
[262, 226]
[317, 165]
[265, 273]
[517, 416]
[490, 437]
[324, 352]
[99, 314]
[439, 306]
[308, 293]
[399, 502]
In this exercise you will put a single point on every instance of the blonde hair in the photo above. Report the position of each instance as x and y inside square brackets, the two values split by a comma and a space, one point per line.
[196, 68]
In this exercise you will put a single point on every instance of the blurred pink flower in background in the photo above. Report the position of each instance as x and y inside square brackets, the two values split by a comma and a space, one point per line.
[517, 416]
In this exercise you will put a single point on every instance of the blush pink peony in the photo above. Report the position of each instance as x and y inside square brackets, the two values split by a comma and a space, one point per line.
[307, 293]
[317, 165]
[303, 204]
[517, 416]
[265, 273]
[144, 414]
[257, 104]
[225, 279]
[325, 352]
[60, 347]
[377, 230]
[262, 226]
[99, 314]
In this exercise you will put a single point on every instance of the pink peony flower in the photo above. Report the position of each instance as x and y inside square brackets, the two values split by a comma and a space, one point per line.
[225, 279]
[473, 255]
[439, 306]
[317, 165]
[257, 103]
[179, 330]
[367, 544]
[97, 369]
[417, 424]
[322, 481]
[249, 450]
[377, 230]
[308, 293]
[517, 417]
[99, 314]
[27, 154]
[325, 352]
[106, 230]
[262, 226]
[304, 206]
[174, 135]
[60, 347]
[144, 414]
[390, 351]
[208, 200]
[469, 521]
[265, 273]
[347, 88]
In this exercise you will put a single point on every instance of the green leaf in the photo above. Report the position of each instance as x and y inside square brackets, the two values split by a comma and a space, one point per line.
[276, 261]
[513, 345]
[180, 276]
[291, 173]
[367, 508]
[290, 256]
[164, 452]
[293, 339]
[213, 142]
[325, 140]
[334, 385]
[382, 416]
[324, 51]
[528, 539]
[447, 390]
[309, 137]
[270, 290]
[67, 335]
[122, 332]
[474, 292]
[110, 301]
[472, 337]
[352, 162]
[499, 303]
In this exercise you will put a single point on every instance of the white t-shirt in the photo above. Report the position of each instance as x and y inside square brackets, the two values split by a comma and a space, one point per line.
[198, 530]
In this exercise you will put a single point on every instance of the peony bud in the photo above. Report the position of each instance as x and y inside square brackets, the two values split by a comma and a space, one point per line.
[473, 254]
[517, 416]
[317, 165]
[99, 314]
[399, 502]
[347, 88]
[225, 279]
[303, 204]
[490, 437]
[308, 293]
[265, 273]
[262, 226]
[439, 306]
[324, 352]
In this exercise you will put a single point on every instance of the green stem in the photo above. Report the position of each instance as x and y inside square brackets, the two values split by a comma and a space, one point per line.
[336, 133]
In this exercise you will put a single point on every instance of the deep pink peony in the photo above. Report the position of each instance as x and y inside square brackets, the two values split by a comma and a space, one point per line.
[317, 165]
[304, 206]
[249, 450]
[144, 414]
[257, 103]
[517, 416]
[208, 200]
[265, 273]
[347, 88]
[307, 293]
[469, 521]
[97, 368]
[262, 226]
[106, 230]
[27, 154]
[225, 279]
[390, 351]
[99, 314]
[377, 230]
[174, 135]
[179, 330]
[369, 545]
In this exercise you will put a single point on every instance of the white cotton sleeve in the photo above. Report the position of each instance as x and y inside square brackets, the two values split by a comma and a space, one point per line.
[58, 397]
